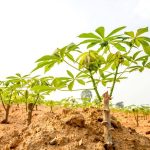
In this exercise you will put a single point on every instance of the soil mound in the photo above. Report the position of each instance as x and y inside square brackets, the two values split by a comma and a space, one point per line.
[66, 129]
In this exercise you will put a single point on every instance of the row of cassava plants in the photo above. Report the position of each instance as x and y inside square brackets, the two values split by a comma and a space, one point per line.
[31, 91]
[138, 112]
[23, 89]
[101, 59]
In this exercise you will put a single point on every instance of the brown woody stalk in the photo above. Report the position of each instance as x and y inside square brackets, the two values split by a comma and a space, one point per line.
[107, 122]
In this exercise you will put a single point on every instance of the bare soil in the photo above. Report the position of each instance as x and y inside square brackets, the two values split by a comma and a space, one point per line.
[68, 129]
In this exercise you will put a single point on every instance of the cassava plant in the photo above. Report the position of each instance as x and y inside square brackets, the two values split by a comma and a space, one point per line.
[22, 91]
[100, 59]
[38, 88]
[8, 93]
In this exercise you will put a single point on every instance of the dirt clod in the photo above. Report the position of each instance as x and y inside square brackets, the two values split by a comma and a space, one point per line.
[76, 120]
[67, 129]
[148, 132]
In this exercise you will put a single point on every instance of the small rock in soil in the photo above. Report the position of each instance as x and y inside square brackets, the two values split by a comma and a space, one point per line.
[53, 141]
[80, 142]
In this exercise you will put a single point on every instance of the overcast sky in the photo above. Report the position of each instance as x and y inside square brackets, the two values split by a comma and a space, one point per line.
[30, 29]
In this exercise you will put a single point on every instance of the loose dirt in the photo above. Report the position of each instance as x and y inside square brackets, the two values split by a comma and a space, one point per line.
[69, 129]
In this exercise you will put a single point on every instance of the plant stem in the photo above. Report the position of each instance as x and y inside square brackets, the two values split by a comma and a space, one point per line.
[38, 95]
[114, 81]
[95, 86]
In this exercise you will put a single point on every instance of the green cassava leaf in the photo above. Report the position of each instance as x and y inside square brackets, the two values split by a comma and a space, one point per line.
[69, 56]
[120, 47]
[70, 85]
[42, 88]
[116, 30]
[18, 74]
[88, 35]
[91, 44]
[100, 31]
[91, 41]
[40, 65]
[142, 58]
[145, 38]
[141, 31]
[80, 81]
[49, 66]
[70, 74]
[137, 42]
[130, 33]
[146, 49]
[101, 73]
[60, 82]
[136, 54]
[126, 63]
[44, 58]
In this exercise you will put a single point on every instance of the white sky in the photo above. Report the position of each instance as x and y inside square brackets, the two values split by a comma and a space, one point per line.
[30, 29]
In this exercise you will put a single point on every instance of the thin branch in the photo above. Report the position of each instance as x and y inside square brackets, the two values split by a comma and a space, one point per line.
[75, 67]
[77, 89]
[3, 105]
[95, 86]
[38, 95]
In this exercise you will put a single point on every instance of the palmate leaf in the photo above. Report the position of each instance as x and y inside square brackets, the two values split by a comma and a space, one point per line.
[116, 31]
[40, 65]
[119, 47]
[70, 85]
[136, 54]
[60, 82]
[141, 31]
[83, 74]
[80, 81]
[18, 74]
[137, 42]
[47, 61]
[49, 66]
[91, 41]
[125, 63]
[44, 58]
[42, 88]
[145, 38]
[71, 47]
[134, 68]
[91, 44]
[146, 49]
[101, 31]
[130, 33]
[70, 74]
[70, 57]
[88, 35]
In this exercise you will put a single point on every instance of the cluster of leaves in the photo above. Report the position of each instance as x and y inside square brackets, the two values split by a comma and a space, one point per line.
[23, 89]
[143, 110]
[101, 58]
[139, 112]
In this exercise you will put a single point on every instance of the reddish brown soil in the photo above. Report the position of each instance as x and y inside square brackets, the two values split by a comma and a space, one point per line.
[66, 129]
[128, 120]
